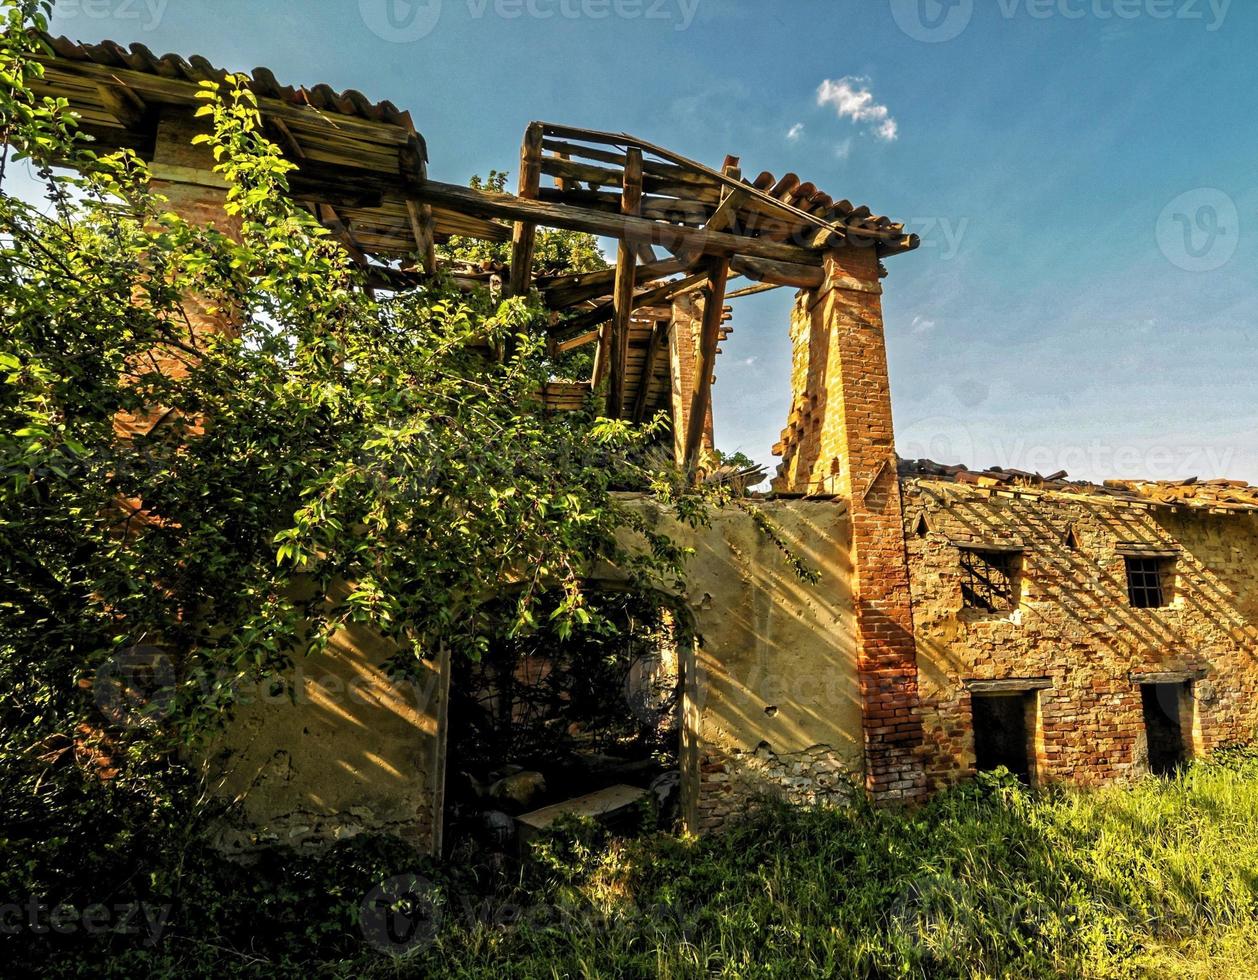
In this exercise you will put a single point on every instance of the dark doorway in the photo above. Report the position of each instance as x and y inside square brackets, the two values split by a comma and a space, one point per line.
[1164, 726]
[1002, 733]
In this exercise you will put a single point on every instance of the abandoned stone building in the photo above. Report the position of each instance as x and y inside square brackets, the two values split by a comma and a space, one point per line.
[958, 620]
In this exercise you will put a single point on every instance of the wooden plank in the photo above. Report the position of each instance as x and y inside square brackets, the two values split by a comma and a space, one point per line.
[658, 342]
[760, 287]
[676, 238]
[713, 314]
[622, 301]
[780, 273]
[524, 237]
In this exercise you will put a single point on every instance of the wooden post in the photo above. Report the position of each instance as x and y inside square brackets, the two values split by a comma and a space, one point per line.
[710, 332]
[524, 237]
[626, 270]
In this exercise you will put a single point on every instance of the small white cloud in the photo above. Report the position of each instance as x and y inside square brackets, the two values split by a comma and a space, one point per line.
[749, 361]
[843, 150]
[794, 134]
[921, 325]
[852, 99]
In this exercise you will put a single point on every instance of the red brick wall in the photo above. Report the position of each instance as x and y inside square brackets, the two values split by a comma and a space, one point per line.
[1074, 625]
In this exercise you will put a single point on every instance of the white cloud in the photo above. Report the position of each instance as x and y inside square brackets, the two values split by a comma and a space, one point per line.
[749, 361]
[921, 325]
[795, 132]
[852, 99]
[843, 150]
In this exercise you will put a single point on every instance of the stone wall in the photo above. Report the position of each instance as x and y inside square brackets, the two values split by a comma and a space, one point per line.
[1074, 626]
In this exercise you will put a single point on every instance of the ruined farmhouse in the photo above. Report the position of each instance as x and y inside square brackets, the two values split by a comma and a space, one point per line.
[959, 620]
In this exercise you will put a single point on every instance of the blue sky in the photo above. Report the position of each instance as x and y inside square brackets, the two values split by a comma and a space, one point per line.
[1084, 175]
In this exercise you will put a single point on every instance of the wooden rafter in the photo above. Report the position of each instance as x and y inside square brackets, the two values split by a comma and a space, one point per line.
[705, 365]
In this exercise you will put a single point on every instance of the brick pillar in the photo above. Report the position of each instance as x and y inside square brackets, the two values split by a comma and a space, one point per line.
[840, 441]
[683, 348]
[183, 173]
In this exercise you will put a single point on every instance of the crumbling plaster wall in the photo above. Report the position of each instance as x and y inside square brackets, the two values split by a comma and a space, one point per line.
[772, 704]
[335, 748]
[1075, 625]
[772, 701]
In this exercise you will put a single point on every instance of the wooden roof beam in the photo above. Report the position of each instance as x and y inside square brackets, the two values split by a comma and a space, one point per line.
[780, 273]
[676, 238]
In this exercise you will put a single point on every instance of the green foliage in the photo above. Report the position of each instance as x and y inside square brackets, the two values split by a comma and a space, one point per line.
[183, 511]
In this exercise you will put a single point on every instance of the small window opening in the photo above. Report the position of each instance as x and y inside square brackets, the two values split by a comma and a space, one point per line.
[1147, 581]
[987, 581]
[1164, 725]
[923, 526]
[1004, 725]
[1072, 538]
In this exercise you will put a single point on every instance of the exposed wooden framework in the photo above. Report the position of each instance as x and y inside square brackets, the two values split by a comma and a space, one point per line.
[362, 169]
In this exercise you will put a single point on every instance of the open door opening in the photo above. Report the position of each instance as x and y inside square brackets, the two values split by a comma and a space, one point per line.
[1004, 726]
[1167, 726]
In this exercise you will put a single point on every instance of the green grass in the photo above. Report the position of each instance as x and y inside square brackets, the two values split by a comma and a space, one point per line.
[1158, 879]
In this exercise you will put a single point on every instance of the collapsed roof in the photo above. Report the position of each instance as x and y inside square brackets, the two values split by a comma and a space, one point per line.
[1215, 496]
[362, 169]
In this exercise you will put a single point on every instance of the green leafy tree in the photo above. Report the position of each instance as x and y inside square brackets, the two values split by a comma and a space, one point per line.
[333, 458]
